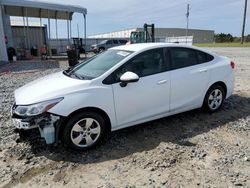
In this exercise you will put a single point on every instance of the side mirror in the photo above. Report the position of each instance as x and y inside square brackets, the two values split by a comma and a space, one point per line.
[128, 77]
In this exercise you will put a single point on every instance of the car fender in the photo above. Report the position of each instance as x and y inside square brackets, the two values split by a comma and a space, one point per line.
[221, 71]
[100, 97]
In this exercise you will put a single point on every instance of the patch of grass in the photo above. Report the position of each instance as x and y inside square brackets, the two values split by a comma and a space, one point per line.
[224, 44]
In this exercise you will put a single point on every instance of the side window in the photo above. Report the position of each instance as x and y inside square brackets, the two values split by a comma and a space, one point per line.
[209, 58]
[115, 41]
[182, 57]
[109, 42]
[144, 64]
[123, 41]
[204, 57]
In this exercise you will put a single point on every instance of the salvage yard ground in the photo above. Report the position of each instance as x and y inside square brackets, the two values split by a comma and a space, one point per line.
[193, 149]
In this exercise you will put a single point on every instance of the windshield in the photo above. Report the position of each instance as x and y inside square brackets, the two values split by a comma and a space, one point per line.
[99, 64]
[103, 42]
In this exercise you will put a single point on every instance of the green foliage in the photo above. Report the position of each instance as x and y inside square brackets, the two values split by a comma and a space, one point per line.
[237, 39]
[222, 37]
[227, 38]
[247, 38]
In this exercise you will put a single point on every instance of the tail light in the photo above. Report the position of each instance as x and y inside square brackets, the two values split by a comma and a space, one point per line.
[232, 64]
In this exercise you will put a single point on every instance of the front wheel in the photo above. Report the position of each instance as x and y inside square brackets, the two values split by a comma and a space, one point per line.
[84, 130]
[101, 50]
[214, 98]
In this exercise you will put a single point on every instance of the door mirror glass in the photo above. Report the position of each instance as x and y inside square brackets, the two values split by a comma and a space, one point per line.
[128, 77]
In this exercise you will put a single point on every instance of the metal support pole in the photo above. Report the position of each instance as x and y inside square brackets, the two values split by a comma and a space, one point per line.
[85, 35]
[78, 34]
[24, 30]
[187, 15]
[27, 21]
[56, 27]
[49, 36]
[68, 31]
[4, 53]
[70, 26]
[41, 29]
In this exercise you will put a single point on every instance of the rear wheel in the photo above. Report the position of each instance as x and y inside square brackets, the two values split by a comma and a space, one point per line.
[84, 131]
[214, 98]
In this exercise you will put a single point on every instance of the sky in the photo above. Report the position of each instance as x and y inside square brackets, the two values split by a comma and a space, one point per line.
[113, 15]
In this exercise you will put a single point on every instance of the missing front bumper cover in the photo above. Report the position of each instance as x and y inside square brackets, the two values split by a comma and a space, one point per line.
[46, 124]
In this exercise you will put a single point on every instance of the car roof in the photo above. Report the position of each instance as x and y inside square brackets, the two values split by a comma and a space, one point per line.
[147, 46]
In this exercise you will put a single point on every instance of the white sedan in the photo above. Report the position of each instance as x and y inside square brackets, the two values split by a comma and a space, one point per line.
[124, 86]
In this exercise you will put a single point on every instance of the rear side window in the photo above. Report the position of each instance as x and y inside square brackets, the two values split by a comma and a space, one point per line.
[209, 58]
[204, 57]
[185, 57]
[115, 41]
[182, 57]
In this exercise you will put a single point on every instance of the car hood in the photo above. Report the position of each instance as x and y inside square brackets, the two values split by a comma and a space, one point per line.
[49, 87]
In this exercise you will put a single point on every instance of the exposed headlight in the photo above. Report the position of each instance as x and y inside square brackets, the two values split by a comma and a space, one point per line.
[36, 109]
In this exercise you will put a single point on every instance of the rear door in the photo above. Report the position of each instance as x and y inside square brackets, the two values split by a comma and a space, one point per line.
[189, 78]
[115, 43]
[109, 44]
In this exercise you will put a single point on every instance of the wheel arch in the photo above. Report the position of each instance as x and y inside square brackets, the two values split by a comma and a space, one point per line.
[101, 47]
[222, 84]
[85, 109]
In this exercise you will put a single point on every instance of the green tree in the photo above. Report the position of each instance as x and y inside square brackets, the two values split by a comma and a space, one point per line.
[222, 37]
[247, 38]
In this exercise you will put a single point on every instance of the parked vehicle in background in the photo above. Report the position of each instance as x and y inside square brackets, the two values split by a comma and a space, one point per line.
[106, 44]
[121, 87]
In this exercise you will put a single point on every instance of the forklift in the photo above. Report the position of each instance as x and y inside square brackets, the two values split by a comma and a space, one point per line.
[78, 44]
[143, 36]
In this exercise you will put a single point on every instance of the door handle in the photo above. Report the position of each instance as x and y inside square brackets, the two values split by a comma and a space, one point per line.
[202, 70]
[162, 82]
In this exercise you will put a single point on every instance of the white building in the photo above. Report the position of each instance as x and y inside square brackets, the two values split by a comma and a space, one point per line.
[199, 36]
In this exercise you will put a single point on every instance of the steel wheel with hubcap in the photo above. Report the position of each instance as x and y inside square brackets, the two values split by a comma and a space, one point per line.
[84, 130]
[214, 98]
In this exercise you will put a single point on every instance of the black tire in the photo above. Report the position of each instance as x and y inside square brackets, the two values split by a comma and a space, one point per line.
[208, 102]
[68, 133]
[101, 50]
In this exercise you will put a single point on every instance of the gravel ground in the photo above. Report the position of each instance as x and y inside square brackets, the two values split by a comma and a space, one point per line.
[193, 149]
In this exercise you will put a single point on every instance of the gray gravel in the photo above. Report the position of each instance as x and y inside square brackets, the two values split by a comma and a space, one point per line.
[193, 149]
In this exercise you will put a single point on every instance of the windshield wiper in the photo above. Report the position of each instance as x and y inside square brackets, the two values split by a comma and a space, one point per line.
[72, 74]
[77, 76]
[66, 72]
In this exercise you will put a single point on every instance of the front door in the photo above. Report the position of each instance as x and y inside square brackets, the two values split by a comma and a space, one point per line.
[149, 96]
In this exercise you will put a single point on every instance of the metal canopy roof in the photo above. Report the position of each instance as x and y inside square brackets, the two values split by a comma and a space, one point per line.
[34, 8]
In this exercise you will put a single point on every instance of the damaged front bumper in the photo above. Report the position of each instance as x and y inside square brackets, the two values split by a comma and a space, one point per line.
[48, 125]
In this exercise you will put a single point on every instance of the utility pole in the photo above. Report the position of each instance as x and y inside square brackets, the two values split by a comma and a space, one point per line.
[244, 23]
[187, 15]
